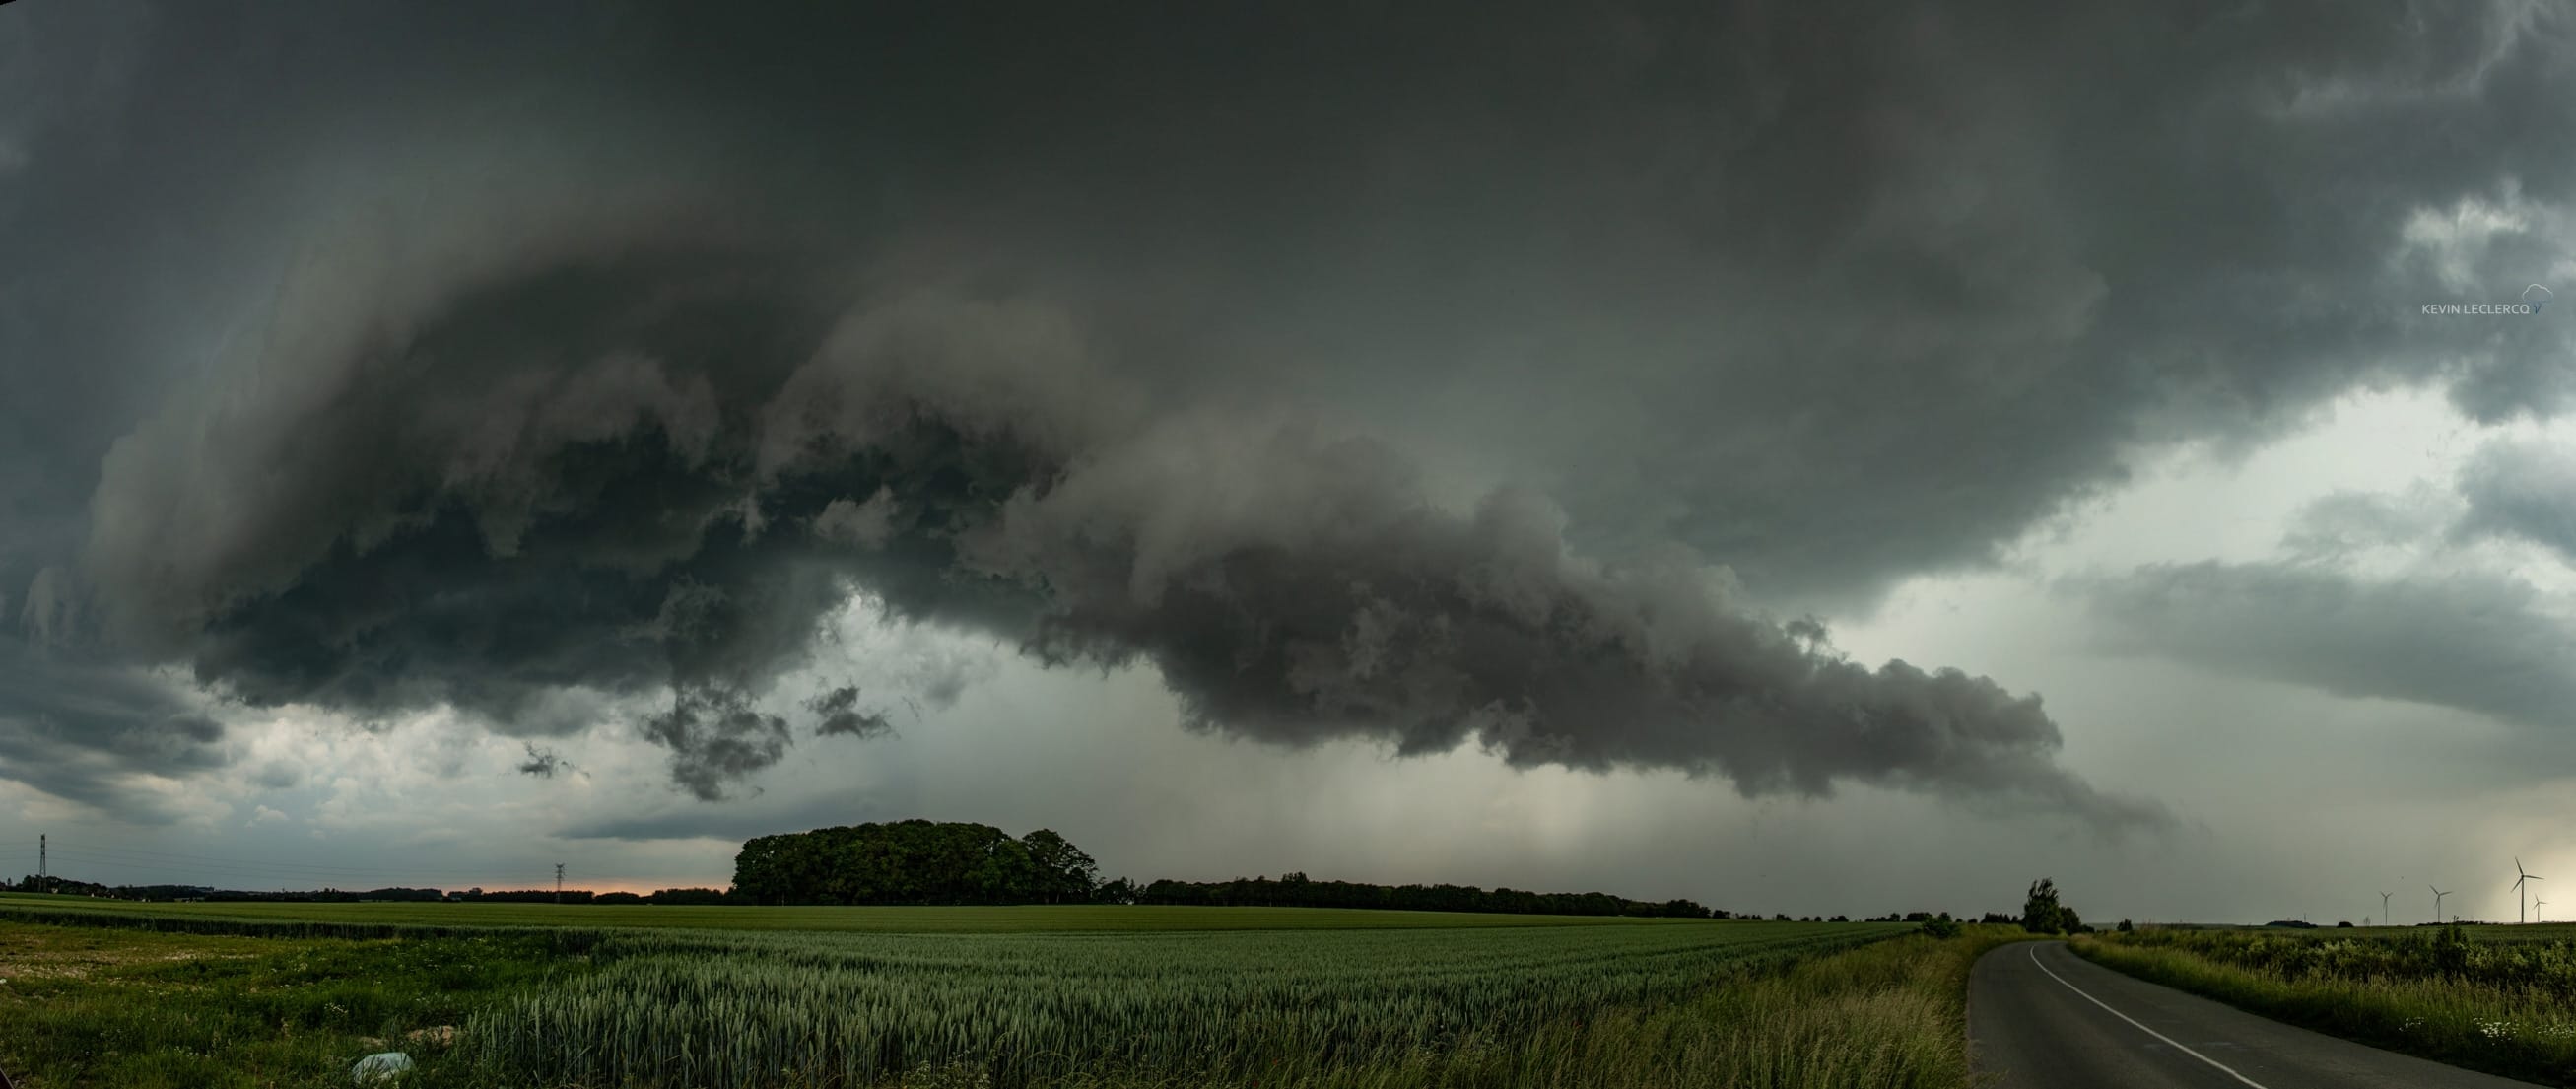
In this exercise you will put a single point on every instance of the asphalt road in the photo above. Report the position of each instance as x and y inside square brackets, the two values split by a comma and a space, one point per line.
[2041, 1017]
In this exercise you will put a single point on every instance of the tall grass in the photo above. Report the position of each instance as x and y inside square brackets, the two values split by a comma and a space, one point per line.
[741, 1010]
[1717, 1005]
[2506, 1006]
[1616, 1007]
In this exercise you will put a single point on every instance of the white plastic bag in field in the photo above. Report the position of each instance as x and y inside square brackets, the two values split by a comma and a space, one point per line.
[381, 1066]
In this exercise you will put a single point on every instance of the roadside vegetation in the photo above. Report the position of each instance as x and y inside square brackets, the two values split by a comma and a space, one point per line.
[2497, 999]
[1645, 1003]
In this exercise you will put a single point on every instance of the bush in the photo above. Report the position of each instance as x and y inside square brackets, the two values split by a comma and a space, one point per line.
[2125, 927]
[1941, 926]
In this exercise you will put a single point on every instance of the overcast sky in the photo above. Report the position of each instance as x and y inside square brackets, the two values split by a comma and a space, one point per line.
[1798, 457]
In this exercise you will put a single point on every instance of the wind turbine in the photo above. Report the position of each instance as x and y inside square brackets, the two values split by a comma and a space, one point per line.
[2437, 904]
[2519, 878]
[2384, 916]
[2535, 908]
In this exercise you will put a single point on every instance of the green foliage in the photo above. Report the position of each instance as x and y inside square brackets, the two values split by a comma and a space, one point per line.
[851, 1009]
[1547, 1003]
[1064, 874]
[1940, 926]
[2497, 999]
[2043, 914]
[136, 1009]
[912, 862]
[2127, 927]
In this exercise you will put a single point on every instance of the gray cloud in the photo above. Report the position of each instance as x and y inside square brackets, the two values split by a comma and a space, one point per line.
[2478, 642]
[716, 738]
[76, 728]
[278, 775]
[2525, 490]
[837, 711]
[543, 763]
[593, 515]
[434, 403]
[2336, 526]
[740, 821]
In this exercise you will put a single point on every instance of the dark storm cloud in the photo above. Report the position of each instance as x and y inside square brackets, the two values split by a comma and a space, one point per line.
[543, 763]
[2525, 490]
[76, 728]
[837, 711]
[615, 512]
[494, 362]
[2481, 643]
[715, 738]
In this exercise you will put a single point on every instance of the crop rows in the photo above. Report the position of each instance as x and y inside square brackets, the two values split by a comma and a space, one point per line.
[725, 1010]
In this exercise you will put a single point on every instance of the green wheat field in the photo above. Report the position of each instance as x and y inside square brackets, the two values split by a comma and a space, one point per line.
[594, 997]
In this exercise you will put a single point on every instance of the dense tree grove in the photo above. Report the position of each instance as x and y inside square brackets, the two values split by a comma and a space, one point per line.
[1294, 890]
[913, 862]
[2043, 914]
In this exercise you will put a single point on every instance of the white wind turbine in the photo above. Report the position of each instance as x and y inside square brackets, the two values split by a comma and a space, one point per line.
[2437, 903]
[2519, 878]
[2535, 909]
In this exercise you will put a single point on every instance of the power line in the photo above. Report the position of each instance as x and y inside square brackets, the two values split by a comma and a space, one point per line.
[246, 876]
[216, 870]
[141, 856]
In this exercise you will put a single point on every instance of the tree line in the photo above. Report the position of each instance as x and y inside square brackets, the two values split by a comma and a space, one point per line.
[1295, 890]
[931, 862]
[914, 862]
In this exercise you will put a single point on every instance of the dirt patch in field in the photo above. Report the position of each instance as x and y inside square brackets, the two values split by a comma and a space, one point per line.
[433, 1036]
[30, 953]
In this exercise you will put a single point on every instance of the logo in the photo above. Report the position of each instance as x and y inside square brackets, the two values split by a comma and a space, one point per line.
[2534, 298]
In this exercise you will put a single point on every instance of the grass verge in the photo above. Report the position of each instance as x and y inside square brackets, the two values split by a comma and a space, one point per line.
[1891, 1015]
[2466, 1003]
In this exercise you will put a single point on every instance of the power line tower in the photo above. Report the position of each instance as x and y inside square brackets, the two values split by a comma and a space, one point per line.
[44, 879]
[559, 882]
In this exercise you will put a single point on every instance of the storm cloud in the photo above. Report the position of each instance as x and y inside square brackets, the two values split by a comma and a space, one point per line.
[545, 484]
[2486, 643]
[2525, 490]
[83, 728]
[1438, 376]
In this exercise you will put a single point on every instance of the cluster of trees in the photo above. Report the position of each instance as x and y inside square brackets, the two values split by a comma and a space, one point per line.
[2042, 914]
[914, 862]
[64, 885]
[1295, 890]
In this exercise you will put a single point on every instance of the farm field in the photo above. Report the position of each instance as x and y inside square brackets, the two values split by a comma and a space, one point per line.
[1320, 1002]
[907, 920]
[2496, 998]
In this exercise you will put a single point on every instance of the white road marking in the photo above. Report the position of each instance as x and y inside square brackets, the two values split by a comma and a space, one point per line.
[2223, 1067]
